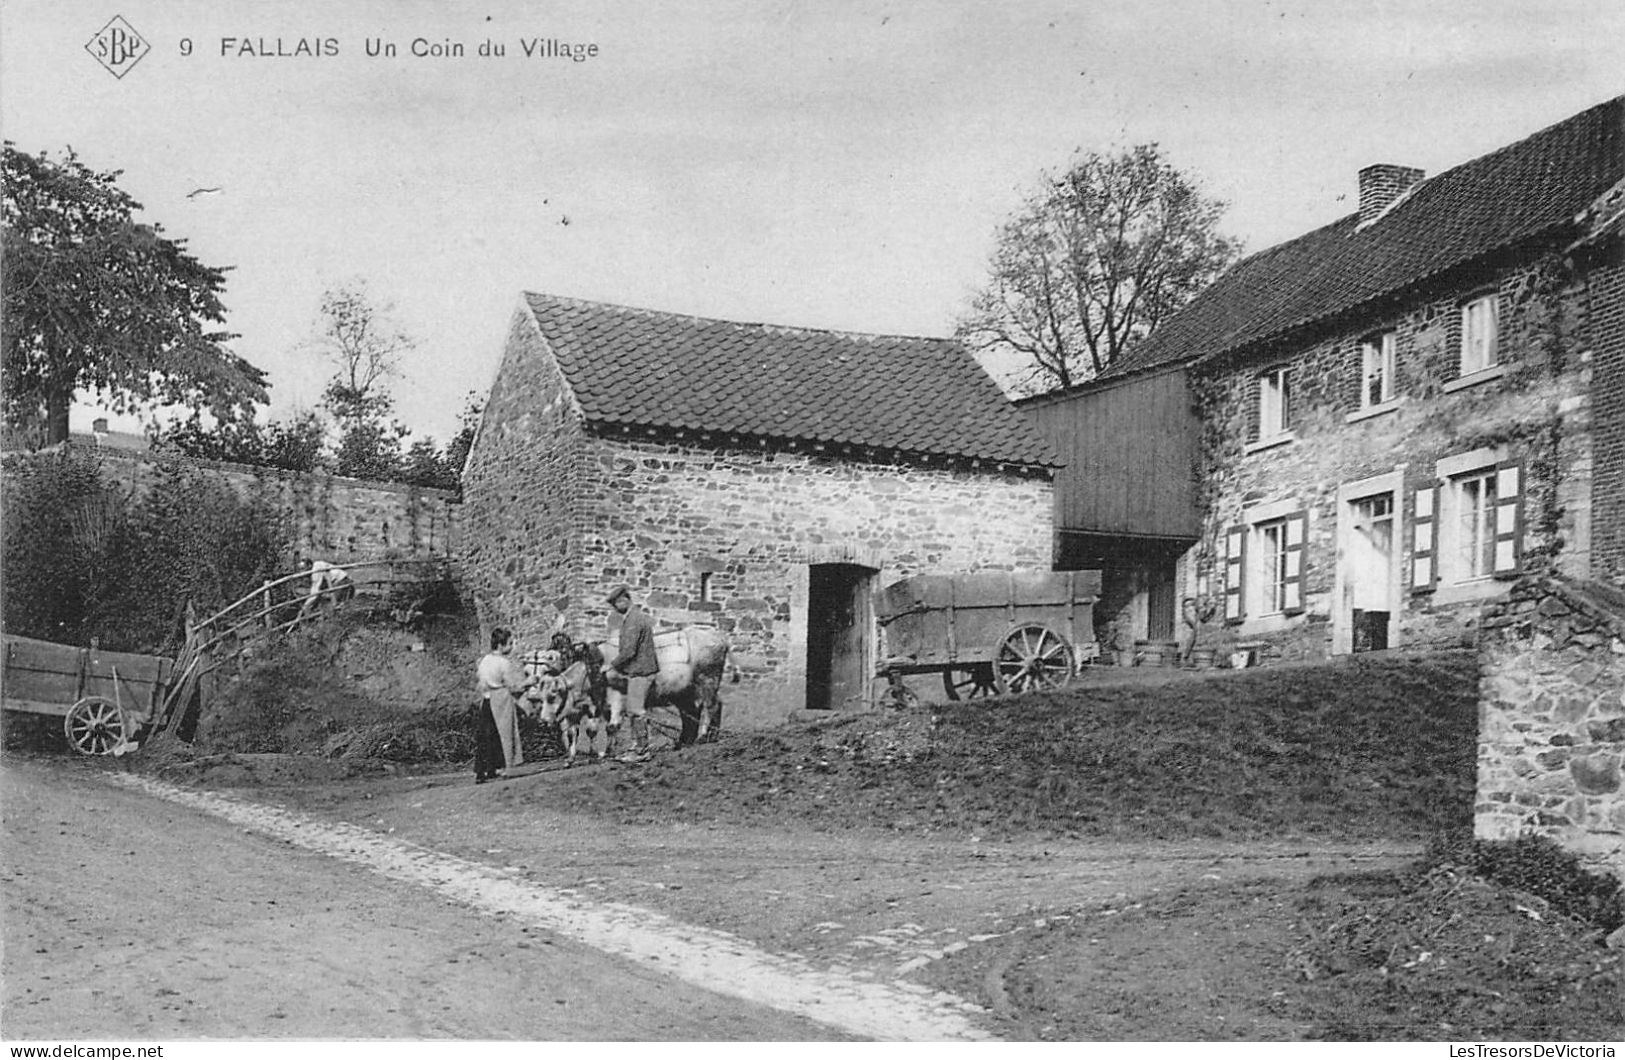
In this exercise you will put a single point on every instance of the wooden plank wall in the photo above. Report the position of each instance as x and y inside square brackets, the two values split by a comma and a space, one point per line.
[1131, 452]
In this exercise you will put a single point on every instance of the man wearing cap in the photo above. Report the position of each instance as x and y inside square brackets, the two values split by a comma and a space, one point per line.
[636, 661]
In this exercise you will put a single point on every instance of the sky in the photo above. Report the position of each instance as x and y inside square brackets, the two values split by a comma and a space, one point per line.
[837, 165]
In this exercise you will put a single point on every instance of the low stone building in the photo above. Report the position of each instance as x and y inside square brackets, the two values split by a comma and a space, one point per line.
[761, 479]
[1370, 430]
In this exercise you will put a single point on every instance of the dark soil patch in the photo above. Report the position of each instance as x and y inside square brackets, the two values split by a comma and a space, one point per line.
[1383, 957]
[1362, 748]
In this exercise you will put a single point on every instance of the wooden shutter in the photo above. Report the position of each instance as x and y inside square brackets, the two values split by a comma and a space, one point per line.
[1508, 517]
[1297, 532]
[1235, 566]
[1425, 540]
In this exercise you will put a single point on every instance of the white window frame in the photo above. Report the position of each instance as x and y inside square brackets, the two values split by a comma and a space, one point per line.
[1471, 551]
[1275, 402]
[1270, 566]
[1377, 363]
[1480, 334]
[1500, 517]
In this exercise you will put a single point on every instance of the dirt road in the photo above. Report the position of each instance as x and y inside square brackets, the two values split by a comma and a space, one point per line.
[133, 918]
[426, 907]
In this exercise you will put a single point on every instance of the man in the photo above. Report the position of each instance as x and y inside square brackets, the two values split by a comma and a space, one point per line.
[636, 661]
[326, 582]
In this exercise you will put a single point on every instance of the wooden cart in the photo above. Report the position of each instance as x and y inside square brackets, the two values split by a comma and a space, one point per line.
[108, 700]
[111, 701]
[989, 632]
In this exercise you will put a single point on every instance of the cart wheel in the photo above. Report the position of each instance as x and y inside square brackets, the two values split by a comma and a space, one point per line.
[970, 682]
[1033, 658]
[95, 726]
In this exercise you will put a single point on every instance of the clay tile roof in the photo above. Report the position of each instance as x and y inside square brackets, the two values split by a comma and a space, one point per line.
[922, 396]
[1534, 188]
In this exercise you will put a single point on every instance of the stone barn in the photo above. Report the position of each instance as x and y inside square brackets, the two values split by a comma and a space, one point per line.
[765, 480]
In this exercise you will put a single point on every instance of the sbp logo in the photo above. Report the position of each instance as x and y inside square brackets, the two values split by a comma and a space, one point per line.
[117, 46]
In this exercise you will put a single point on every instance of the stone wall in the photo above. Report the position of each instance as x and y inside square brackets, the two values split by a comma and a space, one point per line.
[519, 540]
[1537, 410]
[659, 515]
[1552, 717]
[334, 518]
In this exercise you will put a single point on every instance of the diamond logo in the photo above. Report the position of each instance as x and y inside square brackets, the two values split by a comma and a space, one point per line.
[117, 46]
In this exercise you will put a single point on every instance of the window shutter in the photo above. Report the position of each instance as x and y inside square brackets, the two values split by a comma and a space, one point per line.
[1508, 517]
[1297, 532]
[1425, 540]
[1235, 563]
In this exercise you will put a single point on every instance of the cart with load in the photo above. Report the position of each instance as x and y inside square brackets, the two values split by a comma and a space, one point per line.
[989, 632]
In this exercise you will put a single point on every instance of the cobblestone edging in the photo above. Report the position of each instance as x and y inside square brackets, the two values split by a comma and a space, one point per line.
[1552, 718]
[715, 960]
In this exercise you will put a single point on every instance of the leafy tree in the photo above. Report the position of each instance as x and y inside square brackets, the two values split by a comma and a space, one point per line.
[95, 300]
[425, 464]
[360, 338]
[85, 560]
[1093, 261]
[295, 444]
[370, 449]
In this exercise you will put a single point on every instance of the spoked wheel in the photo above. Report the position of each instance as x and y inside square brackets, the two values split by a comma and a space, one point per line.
[1033, 658]
[971, 682]
[96, 726]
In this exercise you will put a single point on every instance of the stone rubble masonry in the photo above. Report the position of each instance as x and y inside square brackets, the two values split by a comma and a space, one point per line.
[1551, 739]
[334, 518]
[1540, 409]
[557, 512]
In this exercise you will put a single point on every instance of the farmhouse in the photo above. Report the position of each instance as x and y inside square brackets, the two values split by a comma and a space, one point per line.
[765, 480]
[1356, 439]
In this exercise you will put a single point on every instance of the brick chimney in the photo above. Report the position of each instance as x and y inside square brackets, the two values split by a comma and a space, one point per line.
[1381, 184]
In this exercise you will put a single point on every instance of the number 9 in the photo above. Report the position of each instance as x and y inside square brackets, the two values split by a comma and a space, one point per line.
[186, 45]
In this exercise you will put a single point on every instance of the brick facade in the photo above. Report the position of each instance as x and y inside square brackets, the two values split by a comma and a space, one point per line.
[710, 531]
[1605, 335]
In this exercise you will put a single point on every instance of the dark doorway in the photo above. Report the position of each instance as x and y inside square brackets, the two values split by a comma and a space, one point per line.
[839, 616]
[1159, 603]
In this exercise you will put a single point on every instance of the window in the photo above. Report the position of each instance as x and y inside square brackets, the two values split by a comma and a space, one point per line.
[1469, 527]
[1275, 402]
[1480, 322]
[1473, 553]
[1264, 566]
[705, 586]
[1377, 370]
[1272, 567]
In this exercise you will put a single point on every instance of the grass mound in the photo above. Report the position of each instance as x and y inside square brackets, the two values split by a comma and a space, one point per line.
[1360, 747]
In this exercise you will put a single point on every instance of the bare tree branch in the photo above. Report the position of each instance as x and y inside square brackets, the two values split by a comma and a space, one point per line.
[1095, 260]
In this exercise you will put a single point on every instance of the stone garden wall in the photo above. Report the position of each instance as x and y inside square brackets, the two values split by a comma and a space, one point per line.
[333, 518]
[1552, 717]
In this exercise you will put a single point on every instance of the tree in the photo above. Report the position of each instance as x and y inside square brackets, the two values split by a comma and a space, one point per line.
[359, 336]
[294, 444]
[95, 300]
[1094, 260]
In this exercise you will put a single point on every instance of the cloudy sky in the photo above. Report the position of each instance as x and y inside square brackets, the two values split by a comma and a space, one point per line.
[827, 164]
